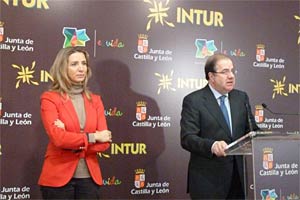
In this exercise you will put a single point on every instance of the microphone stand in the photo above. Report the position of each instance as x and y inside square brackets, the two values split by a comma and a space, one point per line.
[275, 113]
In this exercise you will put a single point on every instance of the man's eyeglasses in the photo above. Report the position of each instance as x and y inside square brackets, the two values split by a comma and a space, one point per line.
[227, 72]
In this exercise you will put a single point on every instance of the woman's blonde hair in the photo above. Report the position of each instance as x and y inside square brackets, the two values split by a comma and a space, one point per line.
[59, 71]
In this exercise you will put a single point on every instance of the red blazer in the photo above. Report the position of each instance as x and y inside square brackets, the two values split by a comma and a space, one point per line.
[67, 146]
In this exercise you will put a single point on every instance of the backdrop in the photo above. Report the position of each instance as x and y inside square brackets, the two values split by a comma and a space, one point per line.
[145, 55]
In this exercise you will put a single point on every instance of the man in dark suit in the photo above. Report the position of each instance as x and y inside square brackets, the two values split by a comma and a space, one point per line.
[206, 131]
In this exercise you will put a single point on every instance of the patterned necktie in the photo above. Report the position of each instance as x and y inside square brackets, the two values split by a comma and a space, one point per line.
[224, 109]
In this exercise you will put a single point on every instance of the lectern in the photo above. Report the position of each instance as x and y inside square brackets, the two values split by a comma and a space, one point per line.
[272, 164]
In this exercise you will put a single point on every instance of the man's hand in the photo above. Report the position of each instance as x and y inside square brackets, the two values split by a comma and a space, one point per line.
[218, 148]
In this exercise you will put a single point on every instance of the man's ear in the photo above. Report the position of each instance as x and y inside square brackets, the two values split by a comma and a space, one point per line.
[211, 76]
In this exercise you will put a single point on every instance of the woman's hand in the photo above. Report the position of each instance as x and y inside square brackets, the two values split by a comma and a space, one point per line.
[103, 136]
[59, 124]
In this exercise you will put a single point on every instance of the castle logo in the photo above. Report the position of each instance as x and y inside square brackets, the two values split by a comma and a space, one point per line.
[0, 106]
[139, 178]
[141, 110]
[259, 113]
[142, 43]
[260, 52]
[1, 31]
[268, 158]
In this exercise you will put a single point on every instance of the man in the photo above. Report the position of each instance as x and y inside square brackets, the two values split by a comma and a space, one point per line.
[206, 132]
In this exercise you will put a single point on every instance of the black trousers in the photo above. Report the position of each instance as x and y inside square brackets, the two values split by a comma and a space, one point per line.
[236, 190]
[77, 188]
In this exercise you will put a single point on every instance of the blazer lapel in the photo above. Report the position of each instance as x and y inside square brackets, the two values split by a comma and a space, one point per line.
[72, 114]
[91, 117]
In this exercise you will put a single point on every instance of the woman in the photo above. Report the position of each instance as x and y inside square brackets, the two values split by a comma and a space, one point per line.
[74, 120]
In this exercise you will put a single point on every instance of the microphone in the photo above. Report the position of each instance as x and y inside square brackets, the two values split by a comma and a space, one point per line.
[245, 138]
[276, 113]
[249, 116]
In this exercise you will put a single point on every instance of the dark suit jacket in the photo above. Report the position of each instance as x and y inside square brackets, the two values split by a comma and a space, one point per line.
[67, 146]
[202, 123]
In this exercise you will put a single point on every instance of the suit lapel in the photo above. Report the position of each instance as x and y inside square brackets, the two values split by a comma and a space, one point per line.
[215, 110]
[234, 108]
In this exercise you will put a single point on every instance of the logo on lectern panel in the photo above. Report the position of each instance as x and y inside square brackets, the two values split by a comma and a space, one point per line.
[268, 194]
[268, 158]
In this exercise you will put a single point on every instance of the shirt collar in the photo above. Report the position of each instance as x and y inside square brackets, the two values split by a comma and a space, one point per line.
[216, 93]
